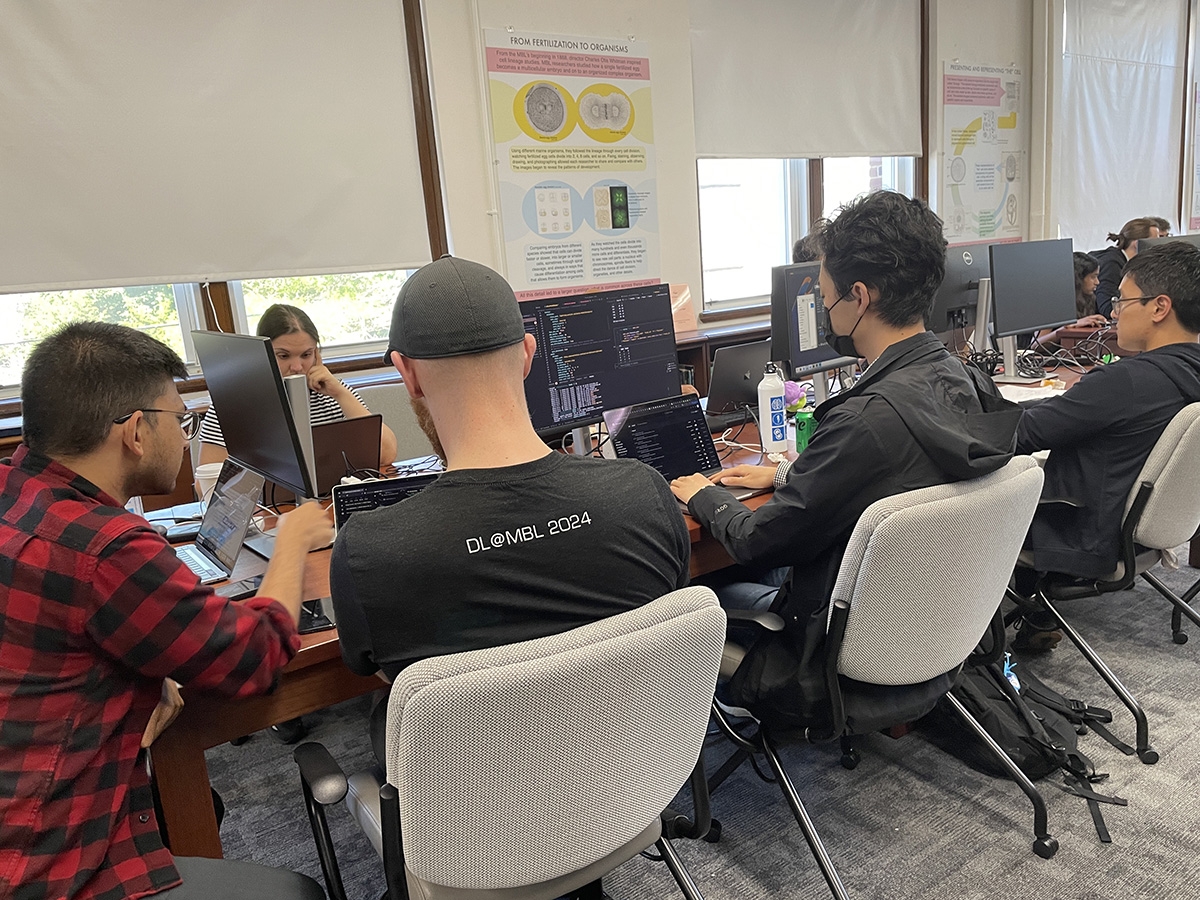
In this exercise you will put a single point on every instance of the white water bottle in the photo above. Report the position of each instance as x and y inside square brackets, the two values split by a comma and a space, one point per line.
[772, 418]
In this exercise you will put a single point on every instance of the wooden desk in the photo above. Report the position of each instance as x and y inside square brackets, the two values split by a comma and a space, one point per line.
[1070, 337]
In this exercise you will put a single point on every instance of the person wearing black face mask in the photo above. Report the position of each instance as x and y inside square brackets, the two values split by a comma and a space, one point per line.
[917, 417]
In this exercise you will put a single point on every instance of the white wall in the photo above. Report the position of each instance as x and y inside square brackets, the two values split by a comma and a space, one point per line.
[453, 35]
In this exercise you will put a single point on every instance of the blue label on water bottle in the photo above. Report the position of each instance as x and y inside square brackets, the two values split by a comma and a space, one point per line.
[779, 434]
[776, 403]
[776, 418]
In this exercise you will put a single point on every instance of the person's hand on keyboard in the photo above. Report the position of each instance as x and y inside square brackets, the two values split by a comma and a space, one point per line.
[755, 477]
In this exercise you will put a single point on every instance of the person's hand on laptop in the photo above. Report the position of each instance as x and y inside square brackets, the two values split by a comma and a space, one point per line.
[744, 476]
[688, 486]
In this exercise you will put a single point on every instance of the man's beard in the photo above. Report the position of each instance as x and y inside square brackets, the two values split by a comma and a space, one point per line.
[425, 420]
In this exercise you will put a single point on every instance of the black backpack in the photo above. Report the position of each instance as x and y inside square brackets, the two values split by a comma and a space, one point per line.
[1038, 736]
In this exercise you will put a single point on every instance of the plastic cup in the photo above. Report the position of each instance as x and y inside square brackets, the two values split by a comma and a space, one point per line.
[206, 480]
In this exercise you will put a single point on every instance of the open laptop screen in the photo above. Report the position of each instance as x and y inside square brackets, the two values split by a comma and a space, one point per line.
[669, 435]
[229, 511]
[351, 498]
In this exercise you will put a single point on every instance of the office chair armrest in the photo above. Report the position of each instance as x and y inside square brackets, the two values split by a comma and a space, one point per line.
[323, 783]
[764, 621]
[321, 773]
[1060, 501]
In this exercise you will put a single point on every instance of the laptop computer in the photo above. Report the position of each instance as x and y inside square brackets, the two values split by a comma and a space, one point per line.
[343, 447]
[352, 498]
[223, 527]
[670, 436]
[736, 372]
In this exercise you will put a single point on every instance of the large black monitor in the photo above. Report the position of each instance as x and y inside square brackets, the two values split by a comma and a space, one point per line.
[256, 419]
[1033, 286]
[798, 321]
[955, 301]
[599, 351]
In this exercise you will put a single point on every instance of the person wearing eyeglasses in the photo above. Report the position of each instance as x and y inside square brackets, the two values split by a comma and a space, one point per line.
[99, 619]
[1100, 432]
[295, 344]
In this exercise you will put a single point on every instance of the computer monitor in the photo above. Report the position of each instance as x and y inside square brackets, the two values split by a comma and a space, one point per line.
[955, 301]
[256, 419]
[598, 351]
[798, 322]
[1147, 243]
[1033, 286]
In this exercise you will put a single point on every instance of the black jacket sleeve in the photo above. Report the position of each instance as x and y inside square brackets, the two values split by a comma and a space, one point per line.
[816, 505]
[1084, 413]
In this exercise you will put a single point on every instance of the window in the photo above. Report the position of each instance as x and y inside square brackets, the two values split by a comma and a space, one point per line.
[748, 221]
[753, 210]
[167, 312]
[843, 179]
[351, 311]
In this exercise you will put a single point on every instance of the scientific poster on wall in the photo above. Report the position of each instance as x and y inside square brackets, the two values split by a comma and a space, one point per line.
[573, 140]
[985, 182]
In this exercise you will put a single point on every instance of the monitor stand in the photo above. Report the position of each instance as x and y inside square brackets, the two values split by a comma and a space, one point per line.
[1008, 348]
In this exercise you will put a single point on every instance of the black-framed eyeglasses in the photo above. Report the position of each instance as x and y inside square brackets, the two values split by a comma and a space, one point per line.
[1118, 302]
[189, 420]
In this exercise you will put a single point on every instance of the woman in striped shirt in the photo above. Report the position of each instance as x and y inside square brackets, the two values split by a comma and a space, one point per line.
[296, 344]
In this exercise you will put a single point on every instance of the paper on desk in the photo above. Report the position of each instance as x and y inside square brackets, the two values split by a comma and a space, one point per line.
[1018, 392]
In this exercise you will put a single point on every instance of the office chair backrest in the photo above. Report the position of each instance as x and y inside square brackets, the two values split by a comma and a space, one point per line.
[1173, 467]
[390, 400]
[527, 762]
[925, 571]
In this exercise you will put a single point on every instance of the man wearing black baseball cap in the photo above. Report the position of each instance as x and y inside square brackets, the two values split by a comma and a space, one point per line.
[514, 541]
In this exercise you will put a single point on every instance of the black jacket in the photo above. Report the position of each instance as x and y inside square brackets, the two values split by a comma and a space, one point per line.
[1112, 263]
[918, 417]
[1100, 433]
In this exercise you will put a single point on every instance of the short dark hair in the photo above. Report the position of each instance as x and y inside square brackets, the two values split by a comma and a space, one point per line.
[891, 243]
[1171, 268]
[77, 380]
[1164, 225]
[807, 248]
[280, 319]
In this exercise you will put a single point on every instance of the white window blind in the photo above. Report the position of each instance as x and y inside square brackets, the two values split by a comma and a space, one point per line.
[1119, 115]
[806, 78]
[163, 141]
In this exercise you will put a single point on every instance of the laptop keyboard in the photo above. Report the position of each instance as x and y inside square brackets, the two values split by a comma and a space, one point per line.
[198, 563]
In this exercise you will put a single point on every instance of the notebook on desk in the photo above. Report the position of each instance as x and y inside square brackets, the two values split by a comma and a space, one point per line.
[669, 435]
[223, 527]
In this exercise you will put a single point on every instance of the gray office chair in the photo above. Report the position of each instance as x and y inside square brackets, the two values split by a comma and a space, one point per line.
[919, 585]
[390, 400]
[530, 770]
[1162, 512]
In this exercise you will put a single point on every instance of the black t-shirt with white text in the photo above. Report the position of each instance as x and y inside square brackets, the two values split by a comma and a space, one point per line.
[484, 557]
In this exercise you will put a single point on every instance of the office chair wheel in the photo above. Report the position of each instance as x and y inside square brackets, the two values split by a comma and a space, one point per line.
[851, 759]
[1149, 756]
[1179, 637]
[1045, 847]
[714, 832]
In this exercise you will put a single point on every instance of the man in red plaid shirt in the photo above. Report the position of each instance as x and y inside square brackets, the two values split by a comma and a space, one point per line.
[99, 618]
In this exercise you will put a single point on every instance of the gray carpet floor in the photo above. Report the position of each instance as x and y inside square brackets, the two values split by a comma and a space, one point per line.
[909, 822]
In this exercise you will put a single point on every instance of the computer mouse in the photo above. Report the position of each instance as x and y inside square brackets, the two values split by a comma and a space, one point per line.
[159, 528]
